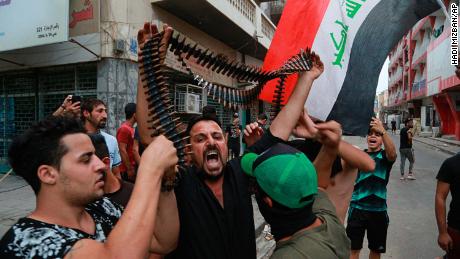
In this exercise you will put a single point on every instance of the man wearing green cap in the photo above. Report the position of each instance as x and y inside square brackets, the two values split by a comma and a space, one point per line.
[290, 194]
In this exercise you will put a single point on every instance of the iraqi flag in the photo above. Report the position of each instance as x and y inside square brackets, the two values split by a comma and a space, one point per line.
[353, 38]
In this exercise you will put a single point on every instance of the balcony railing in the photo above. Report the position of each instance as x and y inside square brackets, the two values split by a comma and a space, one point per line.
[245, 7]
[267, 27]
[234, 22]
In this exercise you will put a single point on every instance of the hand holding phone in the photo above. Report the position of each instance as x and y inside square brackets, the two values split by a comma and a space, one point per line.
[76, 98]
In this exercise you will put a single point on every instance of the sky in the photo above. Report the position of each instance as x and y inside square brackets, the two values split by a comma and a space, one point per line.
[383, 78]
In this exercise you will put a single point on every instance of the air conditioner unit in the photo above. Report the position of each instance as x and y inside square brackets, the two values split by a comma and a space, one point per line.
[119, 46]
[192, 103]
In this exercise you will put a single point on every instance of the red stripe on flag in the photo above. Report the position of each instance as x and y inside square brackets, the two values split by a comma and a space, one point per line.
[296, 30]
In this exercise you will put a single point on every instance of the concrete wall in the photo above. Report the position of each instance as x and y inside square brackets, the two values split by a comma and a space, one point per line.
[117, 86]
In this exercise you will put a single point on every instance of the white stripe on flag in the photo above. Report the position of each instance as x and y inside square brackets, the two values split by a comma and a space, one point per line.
[341, 25]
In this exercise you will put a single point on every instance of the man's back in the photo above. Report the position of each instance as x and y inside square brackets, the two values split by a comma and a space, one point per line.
[328, 240]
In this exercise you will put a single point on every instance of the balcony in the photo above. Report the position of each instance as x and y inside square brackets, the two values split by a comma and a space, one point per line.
[276, 9]
[240, 24]
[420, 51]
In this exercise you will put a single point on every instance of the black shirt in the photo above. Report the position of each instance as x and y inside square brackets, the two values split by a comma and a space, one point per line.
[234, 133]
[404, 139]
[450, 173]
[30, 238]
[206, 229]
[123, 194]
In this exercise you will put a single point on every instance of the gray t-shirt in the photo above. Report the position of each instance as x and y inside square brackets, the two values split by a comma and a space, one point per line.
[326, 241]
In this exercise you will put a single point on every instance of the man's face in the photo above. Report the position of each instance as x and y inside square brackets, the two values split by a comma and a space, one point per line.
[374, 141]
[262, 122]
[81, 172]
[410, 124]
[209, 149]
[98, 117]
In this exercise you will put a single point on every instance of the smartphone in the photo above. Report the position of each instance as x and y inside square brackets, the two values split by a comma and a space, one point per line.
[76, 98]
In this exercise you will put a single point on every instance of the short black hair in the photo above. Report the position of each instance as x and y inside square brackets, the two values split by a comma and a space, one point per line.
[210, 111]
[100, 145]
[262, 116]
[130, 110]
[89, 104]
[197, 118]
[41, 145]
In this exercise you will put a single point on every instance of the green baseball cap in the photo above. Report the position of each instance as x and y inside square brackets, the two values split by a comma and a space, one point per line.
[285, 174]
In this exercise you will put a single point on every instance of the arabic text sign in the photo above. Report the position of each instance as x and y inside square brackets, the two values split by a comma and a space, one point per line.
[26, 23]
[83, 17]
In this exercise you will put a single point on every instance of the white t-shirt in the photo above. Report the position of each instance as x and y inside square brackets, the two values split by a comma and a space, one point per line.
[114, 152]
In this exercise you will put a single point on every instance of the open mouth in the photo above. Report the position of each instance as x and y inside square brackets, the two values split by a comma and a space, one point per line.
[212, 158]
[372, 141]
[212, 155]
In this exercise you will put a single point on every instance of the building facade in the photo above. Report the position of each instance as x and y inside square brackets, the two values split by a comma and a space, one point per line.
[100, 58]
[422, 82]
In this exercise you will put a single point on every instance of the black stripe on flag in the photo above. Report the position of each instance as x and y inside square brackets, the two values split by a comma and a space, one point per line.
[385, 25]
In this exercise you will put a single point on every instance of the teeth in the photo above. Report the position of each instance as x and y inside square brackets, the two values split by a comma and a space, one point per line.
[212, 152]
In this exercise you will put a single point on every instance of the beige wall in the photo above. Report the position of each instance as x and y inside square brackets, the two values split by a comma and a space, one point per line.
[204, 40]
[120, 20]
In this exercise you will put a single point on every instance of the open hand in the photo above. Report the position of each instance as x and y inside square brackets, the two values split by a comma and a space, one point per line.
[252, 133]
[149, 31]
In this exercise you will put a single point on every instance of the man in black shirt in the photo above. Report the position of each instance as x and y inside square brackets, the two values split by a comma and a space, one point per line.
[393, 126]
[405, 149]
[116, 189]
[232, 135]
[213, 199]
[449, 180]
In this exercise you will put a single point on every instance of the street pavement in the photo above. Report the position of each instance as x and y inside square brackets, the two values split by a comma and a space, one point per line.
[412, 232]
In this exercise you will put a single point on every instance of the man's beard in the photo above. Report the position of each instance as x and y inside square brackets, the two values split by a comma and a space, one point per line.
[212, 177]
[102, 124]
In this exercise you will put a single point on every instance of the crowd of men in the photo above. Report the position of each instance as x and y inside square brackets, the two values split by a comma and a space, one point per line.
[101, 196]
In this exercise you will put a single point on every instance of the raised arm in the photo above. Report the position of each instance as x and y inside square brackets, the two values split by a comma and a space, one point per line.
[355, 158]
[131, 236]
[286, 120]
[167, 224]
[390, 149]
[329, 134]
[142, 112]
